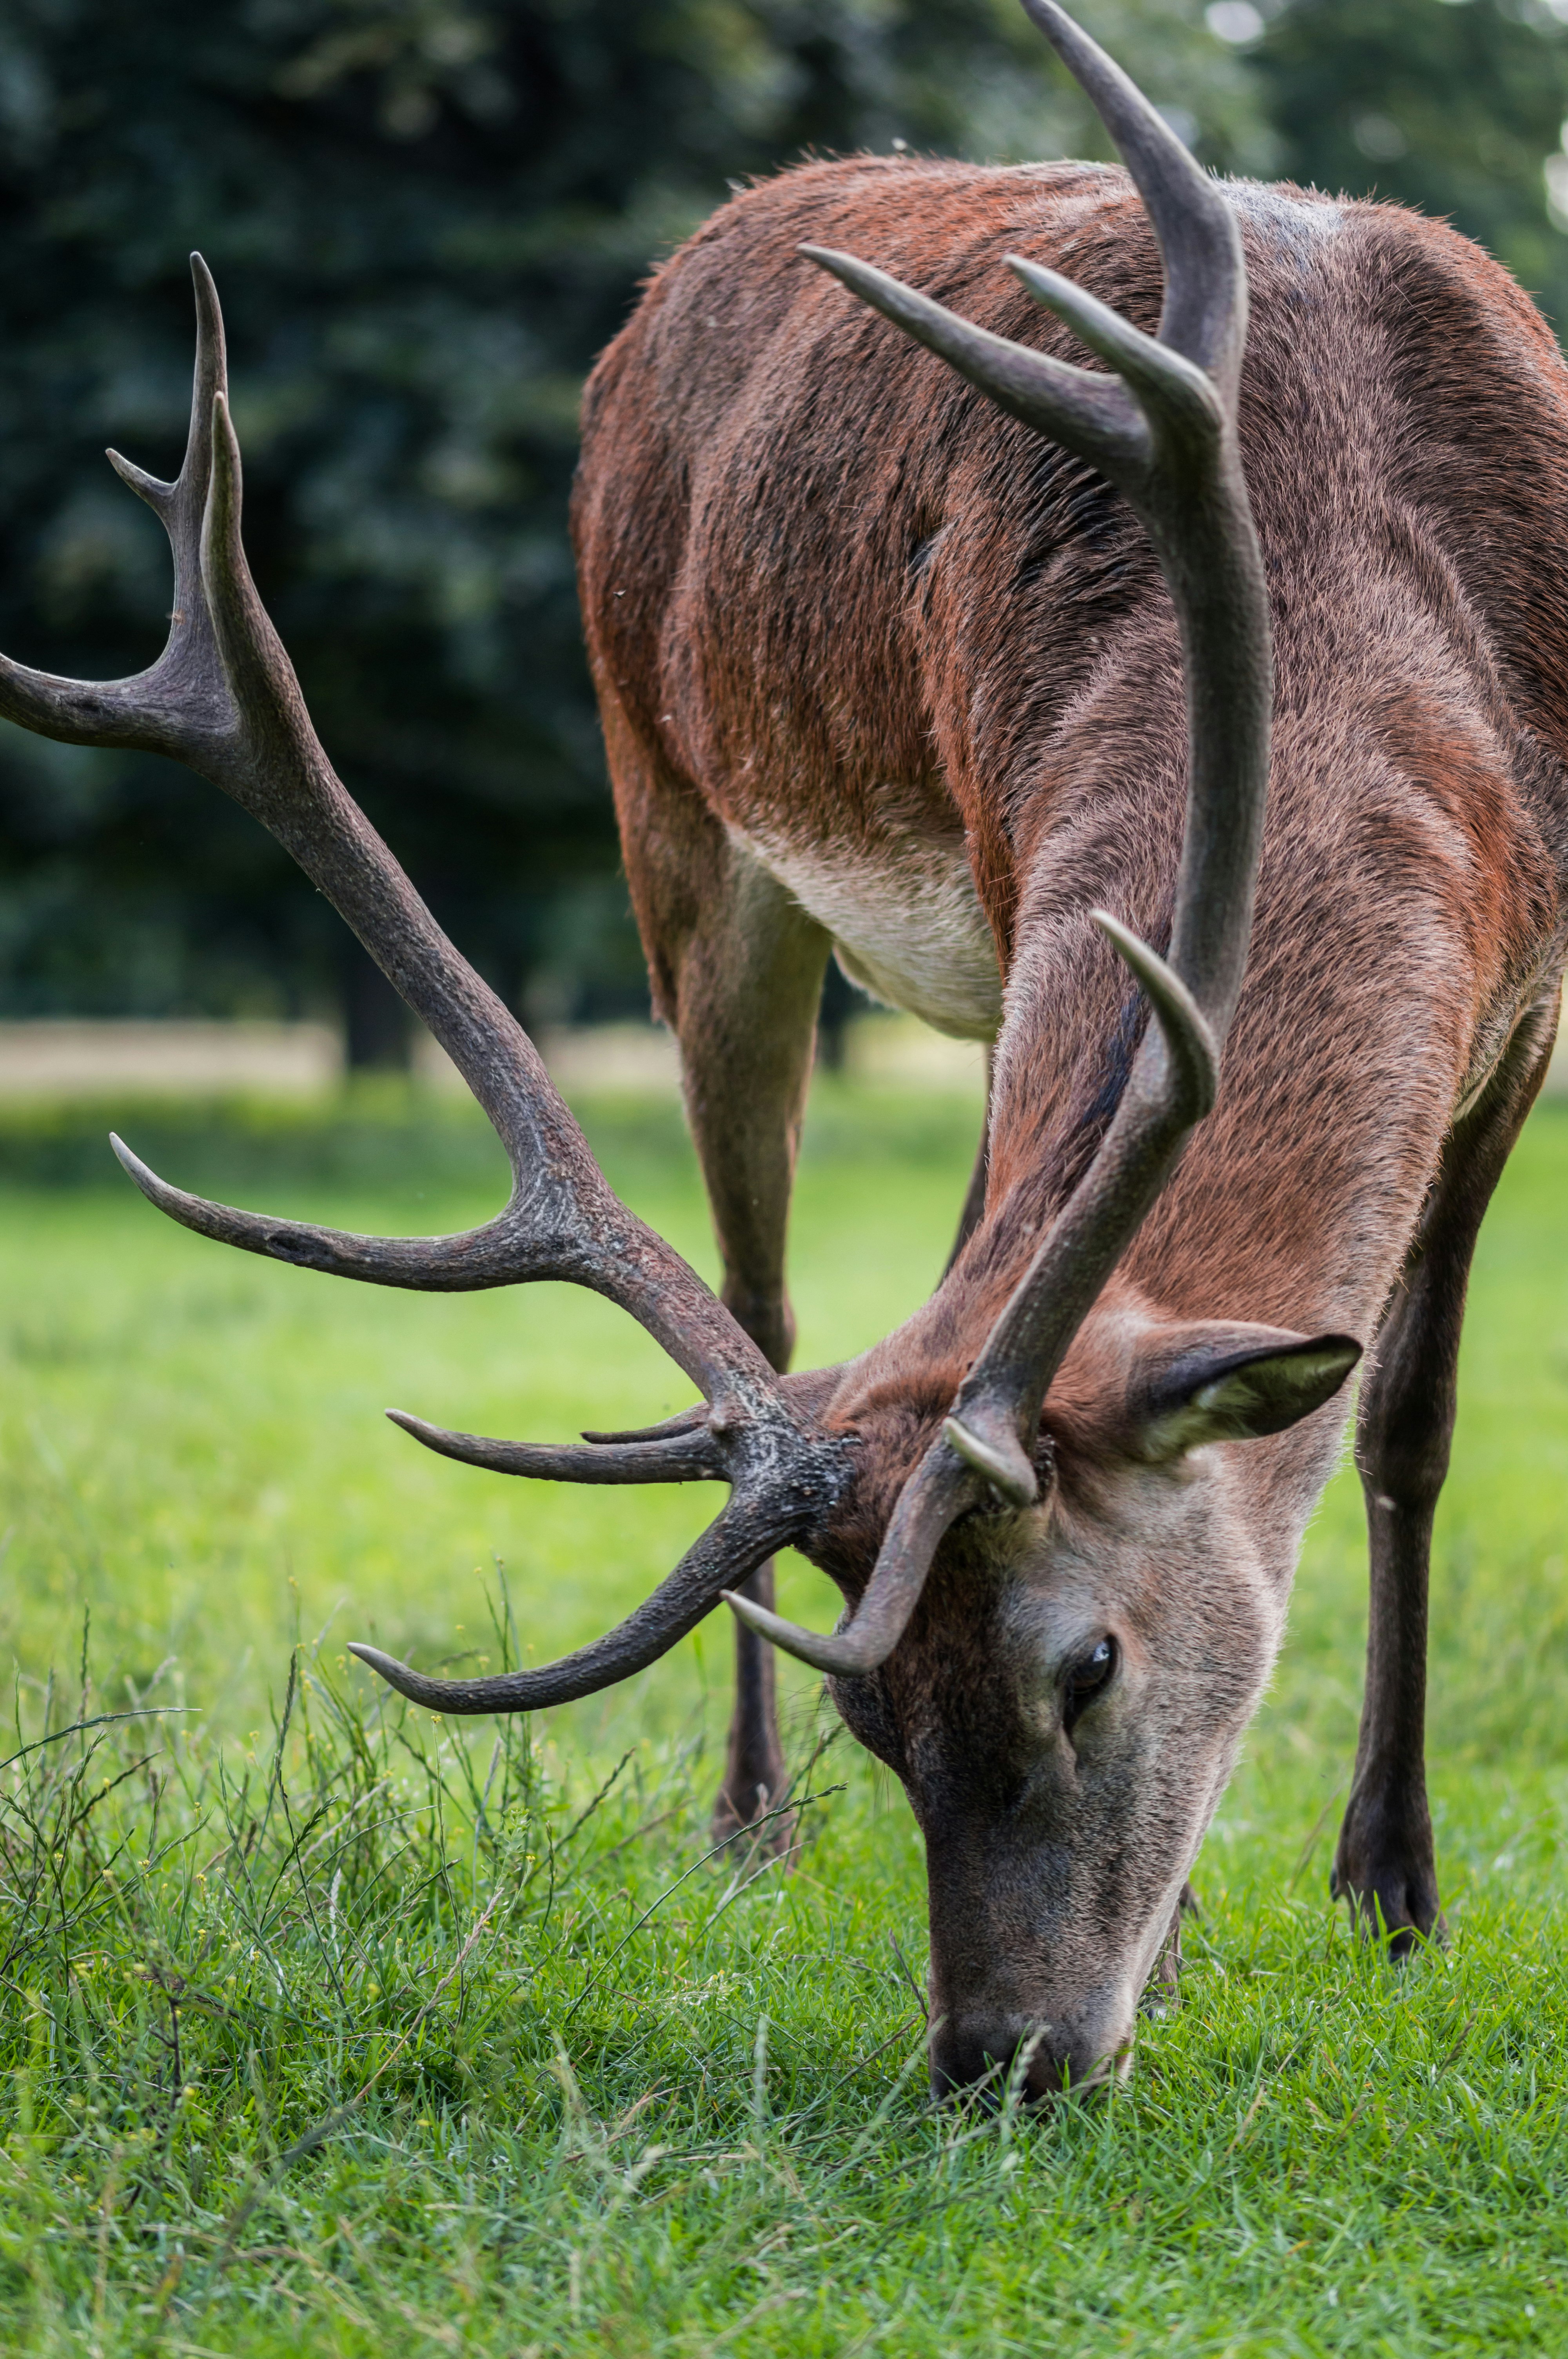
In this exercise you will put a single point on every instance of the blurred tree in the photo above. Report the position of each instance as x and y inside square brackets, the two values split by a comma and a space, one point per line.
[1454, 106]
[424, 216]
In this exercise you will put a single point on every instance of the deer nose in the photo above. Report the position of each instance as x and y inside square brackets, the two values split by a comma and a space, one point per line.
[974, 2053]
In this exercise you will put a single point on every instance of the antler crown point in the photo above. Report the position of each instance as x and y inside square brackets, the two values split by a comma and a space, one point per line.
[1007, 1471]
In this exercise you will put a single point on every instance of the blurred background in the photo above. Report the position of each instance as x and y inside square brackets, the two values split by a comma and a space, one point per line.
[426, 218]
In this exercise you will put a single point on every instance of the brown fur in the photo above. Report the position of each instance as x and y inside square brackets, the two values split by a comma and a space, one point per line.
[838, 604]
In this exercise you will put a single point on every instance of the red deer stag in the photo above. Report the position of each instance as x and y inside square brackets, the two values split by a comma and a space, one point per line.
[886, 663]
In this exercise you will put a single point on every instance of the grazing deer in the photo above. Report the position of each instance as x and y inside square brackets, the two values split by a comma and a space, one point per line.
[891, 650]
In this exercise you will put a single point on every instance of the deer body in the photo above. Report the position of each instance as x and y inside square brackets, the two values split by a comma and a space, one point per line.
[884, 660]
[874, 657]
[918, 670]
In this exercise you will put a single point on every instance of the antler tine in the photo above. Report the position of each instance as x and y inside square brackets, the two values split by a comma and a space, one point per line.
[688, 1457]
[732, 1548]
[686, 1420]
[178, 705]
[937, 1493]
[1163, 429]
[1092, 414]
[1205, 312]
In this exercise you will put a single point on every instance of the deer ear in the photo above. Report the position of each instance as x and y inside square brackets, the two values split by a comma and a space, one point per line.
[1223, 1383]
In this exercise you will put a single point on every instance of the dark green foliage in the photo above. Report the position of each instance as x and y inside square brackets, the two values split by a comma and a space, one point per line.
[1452, 109]
[426, 217]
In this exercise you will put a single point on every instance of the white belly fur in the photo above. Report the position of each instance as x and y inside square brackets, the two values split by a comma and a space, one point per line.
[908, 928]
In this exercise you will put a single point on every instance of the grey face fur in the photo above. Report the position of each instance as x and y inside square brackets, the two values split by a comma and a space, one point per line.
[1064, 1757]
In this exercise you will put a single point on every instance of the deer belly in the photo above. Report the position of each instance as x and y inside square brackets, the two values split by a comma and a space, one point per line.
[909, 927]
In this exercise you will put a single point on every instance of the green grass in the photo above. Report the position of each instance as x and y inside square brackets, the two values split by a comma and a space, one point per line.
[327, 2028]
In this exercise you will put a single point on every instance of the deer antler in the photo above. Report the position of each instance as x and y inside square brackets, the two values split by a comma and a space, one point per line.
[1163, 429]
[223, 698]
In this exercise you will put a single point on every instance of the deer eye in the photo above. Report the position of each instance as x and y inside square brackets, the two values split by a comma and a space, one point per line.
[1088, 1677]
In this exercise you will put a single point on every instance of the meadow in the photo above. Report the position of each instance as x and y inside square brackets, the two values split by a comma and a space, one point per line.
[328, 2027]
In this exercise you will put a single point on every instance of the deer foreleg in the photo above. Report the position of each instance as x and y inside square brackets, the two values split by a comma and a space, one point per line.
[737, 970]
[747, 1019]
[1384, 1865]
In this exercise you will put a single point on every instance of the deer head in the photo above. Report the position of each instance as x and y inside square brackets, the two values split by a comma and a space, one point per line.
[1064, 1698]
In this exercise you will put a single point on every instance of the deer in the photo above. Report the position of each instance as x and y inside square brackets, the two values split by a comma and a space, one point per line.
[1121, 614]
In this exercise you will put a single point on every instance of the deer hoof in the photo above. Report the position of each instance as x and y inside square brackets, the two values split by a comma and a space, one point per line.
[1391, 1901]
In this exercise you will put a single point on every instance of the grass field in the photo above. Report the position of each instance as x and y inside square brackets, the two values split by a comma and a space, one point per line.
[327, 2028]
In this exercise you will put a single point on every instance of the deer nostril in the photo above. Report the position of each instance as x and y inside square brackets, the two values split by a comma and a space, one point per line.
[979, 2057]
[983, 2059]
